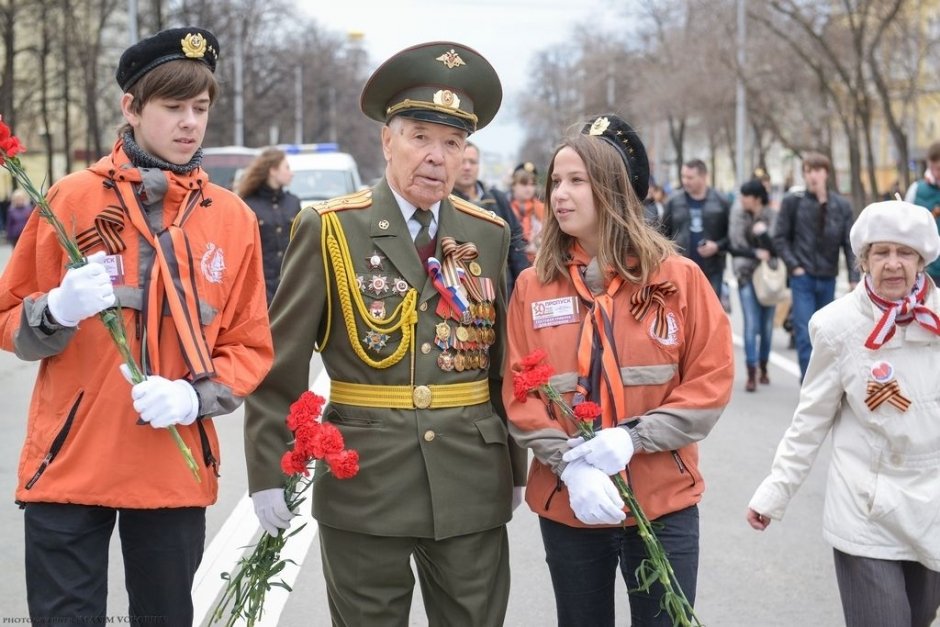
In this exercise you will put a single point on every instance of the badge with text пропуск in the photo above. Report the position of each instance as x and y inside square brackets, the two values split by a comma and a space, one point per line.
[555, 311]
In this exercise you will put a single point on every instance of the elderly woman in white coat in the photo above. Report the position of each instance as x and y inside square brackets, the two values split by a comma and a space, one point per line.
[872, 381]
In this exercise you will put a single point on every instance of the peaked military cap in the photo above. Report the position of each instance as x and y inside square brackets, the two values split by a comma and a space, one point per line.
[613, 130]
[441, 82]
[188, 42]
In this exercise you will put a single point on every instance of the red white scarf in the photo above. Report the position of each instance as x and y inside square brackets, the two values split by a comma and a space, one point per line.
[901, 311]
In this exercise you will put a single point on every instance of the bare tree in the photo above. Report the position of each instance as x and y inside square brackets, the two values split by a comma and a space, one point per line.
[835, 42]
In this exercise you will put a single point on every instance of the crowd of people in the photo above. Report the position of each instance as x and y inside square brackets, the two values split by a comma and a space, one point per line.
[426, 296]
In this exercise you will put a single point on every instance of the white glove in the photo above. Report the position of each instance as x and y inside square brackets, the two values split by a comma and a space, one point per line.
[271, 510]
[162, 402]
[517, 494]
[593, 496]
[610, 450]
[84, 292]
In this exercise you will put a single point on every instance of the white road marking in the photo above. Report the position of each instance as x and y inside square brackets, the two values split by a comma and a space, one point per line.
[236, 536]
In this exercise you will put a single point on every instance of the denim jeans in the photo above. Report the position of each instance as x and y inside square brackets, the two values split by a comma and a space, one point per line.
[758, 325]
[810, 294]
[583, 565]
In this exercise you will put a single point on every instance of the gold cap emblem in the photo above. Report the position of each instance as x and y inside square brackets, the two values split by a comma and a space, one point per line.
[194, 45]
[451, 59]
[600, 125]
[447, 98]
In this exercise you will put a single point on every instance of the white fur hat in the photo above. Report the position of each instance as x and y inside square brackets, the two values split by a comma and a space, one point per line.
[898, 222]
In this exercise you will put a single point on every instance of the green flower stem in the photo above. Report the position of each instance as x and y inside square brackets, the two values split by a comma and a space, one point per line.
[111, 317]
[255, 574]
[656, 567]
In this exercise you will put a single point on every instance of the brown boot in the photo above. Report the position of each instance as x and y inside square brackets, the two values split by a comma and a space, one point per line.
[751, 379]
[764, 379]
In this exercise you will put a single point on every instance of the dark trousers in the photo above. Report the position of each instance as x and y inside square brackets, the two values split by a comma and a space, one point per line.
[369, 582]
[67, 562]
[886, 593]
[583, 565]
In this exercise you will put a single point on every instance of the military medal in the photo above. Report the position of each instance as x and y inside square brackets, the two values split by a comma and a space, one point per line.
[475, 268]
[378, 285]
[377, 309]
[361, 282]
[445, 361]
[460, 362]
[400, 286]
[375, 341]
[375, 261]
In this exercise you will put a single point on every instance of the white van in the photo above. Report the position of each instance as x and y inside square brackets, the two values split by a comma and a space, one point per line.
[321, 172]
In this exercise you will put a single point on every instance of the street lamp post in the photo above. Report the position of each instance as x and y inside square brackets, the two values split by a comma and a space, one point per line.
[740, 119]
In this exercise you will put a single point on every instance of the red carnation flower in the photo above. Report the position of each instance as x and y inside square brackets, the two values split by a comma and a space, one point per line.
[533, 358]
[587, 411]
[343, 464]
[327, 441]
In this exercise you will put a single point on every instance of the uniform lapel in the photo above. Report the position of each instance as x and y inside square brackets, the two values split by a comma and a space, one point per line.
[390, 234]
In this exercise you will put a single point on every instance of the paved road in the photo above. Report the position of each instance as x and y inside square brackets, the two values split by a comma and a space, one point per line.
[782, 577]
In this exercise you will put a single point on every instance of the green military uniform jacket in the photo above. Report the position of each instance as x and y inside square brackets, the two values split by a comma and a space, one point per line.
[433, 473]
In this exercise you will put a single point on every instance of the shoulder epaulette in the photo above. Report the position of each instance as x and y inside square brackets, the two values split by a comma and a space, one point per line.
[356, 200]
[478, 212]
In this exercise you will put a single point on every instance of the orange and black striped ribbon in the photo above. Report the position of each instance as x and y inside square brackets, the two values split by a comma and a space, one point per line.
[172, 281]
[105, 232]
[599, 377]
[878, 393]
[651, 295]
[455, 255]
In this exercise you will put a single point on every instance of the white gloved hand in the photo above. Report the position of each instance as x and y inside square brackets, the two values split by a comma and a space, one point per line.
[271, 510]
[163, 402]
[610, 450]
[593, 496]
[84, 292]
[517, 494]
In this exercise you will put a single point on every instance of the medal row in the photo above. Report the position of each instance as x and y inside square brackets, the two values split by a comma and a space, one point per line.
[450, 360]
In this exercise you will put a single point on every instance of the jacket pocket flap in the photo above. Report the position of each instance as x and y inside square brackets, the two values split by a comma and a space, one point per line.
[493, 430]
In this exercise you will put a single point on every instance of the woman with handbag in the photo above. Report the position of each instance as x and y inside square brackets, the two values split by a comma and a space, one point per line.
[750, 246]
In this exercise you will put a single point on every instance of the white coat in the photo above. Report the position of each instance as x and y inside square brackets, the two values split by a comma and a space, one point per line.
[883, 488]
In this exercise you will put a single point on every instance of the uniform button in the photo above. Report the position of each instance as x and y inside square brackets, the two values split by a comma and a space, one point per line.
[428, 435]
[423, 306]
[280, 253]
[426, 348]
[278, 229]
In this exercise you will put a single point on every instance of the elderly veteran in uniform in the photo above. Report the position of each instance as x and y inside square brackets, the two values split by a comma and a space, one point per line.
[872, 382]
[405, 303]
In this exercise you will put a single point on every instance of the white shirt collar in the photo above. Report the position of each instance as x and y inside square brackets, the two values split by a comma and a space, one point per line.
[408, 209]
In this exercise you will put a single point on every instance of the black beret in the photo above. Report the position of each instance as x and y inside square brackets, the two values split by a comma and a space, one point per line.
[621, 136]
[188, 42]
[441, 82]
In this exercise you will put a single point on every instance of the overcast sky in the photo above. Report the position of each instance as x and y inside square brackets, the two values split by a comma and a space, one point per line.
[507, 32]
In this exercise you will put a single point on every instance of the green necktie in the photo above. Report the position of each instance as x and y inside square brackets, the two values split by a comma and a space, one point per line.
[423, 217]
